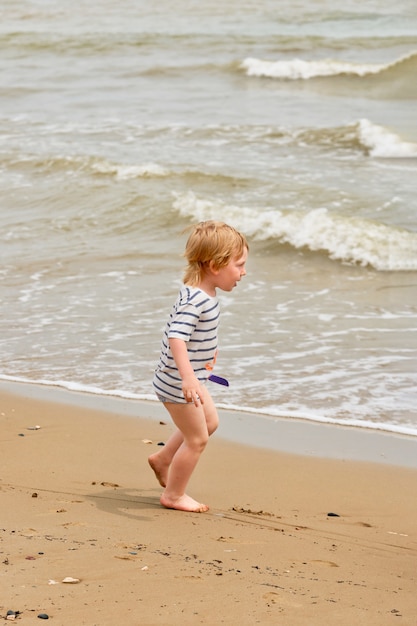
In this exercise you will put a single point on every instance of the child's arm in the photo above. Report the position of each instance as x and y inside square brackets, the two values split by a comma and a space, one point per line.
[190, 384]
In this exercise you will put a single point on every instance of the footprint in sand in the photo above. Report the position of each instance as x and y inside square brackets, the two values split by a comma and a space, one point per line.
[273, 597]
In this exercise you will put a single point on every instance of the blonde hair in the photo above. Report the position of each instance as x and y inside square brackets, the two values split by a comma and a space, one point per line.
[214, 242]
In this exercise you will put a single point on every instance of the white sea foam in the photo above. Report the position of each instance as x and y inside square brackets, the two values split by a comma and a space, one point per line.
[311, 416]
[273, 412]
[78, 387]
[125, 172]
[344, 238]
[383, 143]
[300, 69]
[296, 69]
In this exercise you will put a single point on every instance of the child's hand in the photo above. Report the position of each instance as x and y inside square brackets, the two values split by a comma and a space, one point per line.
[190, 386]
[192, 391]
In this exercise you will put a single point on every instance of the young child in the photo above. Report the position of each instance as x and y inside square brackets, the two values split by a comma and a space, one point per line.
[216, 255]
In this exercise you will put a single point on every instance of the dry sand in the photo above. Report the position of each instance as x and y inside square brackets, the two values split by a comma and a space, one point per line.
[79, 500]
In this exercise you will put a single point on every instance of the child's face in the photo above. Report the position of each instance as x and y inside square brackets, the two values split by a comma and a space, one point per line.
[228, 276]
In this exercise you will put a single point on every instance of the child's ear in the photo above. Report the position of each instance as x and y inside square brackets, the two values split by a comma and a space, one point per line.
[213, 268]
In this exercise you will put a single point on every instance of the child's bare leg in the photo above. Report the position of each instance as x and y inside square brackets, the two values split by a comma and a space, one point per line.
[161, 460]
[193, 423]
[174, 496]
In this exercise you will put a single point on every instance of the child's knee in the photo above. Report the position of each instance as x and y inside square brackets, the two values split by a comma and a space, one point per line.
[199, 443]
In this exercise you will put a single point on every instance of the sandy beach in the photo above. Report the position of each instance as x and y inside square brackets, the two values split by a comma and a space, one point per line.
[79, 502]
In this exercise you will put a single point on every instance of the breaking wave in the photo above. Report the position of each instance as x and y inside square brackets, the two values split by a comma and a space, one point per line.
[299, 69]
[361, 136]
[347, 239]
[372, 139]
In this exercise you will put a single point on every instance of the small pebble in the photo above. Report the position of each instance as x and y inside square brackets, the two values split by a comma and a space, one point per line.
[43, 616]
[333, 515]
[71, 580]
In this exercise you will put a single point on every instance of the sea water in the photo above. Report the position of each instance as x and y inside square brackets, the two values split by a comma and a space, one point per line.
[122, 124]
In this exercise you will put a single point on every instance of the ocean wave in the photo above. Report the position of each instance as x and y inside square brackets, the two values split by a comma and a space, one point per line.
[299, 69]
[360, 136]
[380, 142]
[125, 171]
[372, 139]
[347, 239]
[89, 165]
[96, 166]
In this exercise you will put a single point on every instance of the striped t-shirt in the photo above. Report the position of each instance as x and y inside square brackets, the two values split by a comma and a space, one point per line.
[194, 318]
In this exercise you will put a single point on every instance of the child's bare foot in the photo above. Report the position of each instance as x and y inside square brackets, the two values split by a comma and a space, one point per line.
[161, 470]
[184, 503]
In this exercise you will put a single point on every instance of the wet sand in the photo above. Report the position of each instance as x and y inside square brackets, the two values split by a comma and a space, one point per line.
[79, 500]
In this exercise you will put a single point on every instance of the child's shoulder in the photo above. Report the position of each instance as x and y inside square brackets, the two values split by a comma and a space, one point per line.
[193, 295]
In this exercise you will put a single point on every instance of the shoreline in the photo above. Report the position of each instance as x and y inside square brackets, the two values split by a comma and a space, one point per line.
[288, 435]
